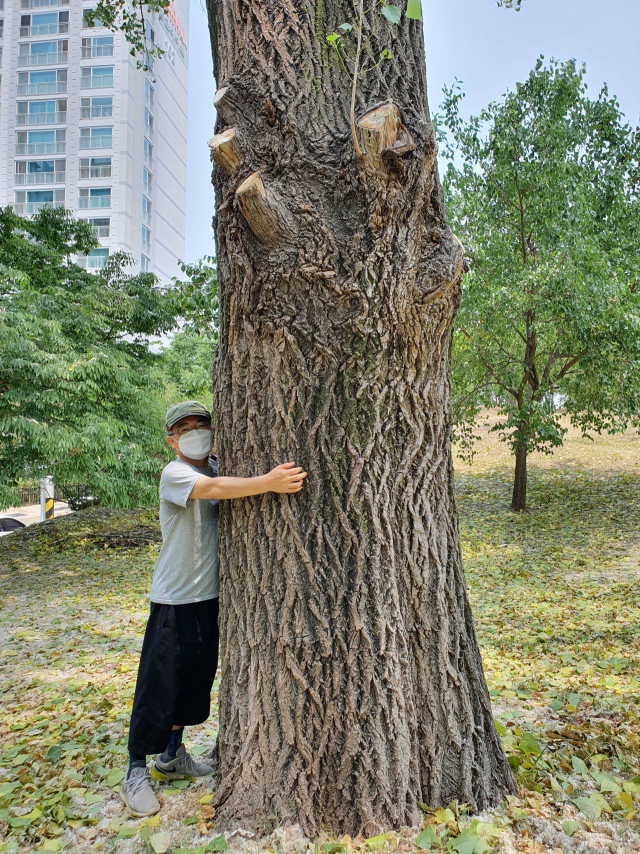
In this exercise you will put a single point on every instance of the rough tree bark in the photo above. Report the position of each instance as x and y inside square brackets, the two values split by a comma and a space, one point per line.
[352, 686]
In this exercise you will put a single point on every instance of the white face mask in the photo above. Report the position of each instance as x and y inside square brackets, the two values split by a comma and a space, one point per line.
[197, 444]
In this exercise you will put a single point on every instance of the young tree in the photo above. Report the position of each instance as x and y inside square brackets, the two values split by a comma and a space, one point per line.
[352, 685]
[76, 392]
[546, 203]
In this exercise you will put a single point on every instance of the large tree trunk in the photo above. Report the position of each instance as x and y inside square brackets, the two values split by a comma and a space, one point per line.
[352, 684]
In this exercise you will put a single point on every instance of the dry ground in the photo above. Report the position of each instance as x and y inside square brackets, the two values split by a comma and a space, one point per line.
[557, 610]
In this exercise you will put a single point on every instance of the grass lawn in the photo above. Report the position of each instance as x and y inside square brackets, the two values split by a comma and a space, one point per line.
[557, 607]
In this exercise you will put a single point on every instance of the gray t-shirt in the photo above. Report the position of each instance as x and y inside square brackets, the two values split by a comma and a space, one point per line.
[187, 566]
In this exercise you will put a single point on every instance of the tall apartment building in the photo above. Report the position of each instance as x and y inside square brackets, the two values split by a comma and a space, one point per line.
[81, 126]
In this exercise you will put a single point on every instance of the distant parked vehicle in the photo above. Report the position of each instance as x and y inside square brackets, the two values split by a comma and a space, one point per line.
[82, 502]
[8, 525]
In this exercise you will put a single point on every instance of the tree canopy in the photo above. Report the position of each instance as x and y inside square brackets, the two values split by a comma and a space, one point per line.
[188, 359]
[542, 188]
[77, 388]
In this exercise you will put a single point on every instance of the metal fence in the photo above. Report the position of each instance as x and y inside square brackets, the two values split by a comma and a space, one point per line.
[63, 492]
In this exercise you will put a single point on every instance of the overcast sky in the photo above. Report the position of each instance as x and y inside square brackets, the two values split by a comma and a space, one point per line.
[488, 48]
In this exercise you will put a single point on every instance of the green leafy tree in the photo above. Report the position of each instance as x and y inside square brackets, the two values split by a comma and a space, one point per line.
[188, 359]
[545, 200]
[131, 19]
[77, 396]
[195, 299]
[186, 367]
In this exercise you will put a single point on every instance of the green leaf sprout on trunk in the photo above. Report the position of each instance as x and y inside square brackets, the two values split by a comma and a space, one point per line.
[350, 54]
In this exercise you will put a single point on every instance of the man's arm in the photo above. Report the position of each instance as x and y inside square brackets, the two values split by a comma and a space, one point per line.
[284, 478]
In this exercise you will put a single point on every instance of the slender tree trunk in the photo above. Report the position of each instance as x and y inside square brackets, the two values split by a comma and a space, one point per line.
[352, 684]
[519, 497]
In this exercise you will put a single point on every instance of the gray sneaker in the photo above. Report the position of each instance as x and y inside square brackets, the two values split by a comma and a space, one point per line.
[137, 793]
[182, 766]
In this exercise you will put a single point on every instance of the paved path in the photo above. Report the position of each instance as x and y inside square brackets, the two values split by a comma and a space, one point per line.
[29, 514]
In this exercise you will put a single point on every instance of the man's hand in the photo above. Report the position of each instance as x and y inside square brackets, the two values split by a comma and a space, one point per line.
[285, 478]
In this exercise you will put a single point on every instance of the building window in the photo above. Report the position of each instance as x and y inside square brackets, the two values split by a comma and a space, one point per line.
[146, 240]
[100, 77]
[41, 112]
[52, 82]
[94, 197]
[144, 263]
[148, 94]
[147, 180]
[100, 226]
[148, 152]
[41, 142]
[97, 46]
[40, 171]
[148, 124]
[146, 209]
[39, 4]
[44, 24]
[95, 260]
[96, 21]
[43, 53]
[95, 138]
[1, 28]
[94, 167]
[96, 108]
[29, 202]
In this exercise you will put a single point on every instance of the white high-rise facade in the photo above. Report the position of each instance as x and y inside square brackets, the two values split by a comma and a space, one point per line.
[82, 126]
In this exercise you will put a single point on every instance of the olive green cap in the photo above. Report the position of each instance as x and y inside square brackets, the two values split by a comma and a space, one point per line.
[181, 410]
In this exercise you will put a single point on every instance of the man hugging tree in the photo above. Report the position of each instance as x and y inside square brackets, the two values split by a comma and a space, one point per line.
[179, 655]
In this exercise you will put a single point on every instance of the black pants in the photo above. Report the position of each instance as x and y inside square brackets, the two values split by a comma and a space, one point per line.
[177, 667]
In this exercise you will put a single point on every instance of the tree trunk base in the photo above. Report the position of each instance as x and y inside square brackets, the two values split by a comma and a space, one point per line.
[519, 496]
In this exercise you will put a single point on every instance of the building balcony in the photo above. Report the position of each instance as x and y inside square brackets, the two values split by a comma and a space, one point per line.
[100, 230]
[103, 112]
[96, 260]
[41, 178]
[41, 119]
[30, 59]
[30, 208]
[54, 88]
[94, 202]
[87, 172]
[29, 148]
[41, 4]
[103, 81]
[95, 142]
[97, 51]
[44, 30]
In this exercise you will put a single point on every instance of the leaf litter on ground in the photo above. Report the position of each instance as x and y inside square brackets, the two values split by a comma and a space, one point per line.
[557, 609]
